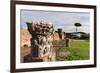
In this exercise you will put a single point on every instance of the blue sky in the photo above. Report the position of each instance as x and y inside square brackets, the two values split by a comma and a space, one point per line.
[64, 20]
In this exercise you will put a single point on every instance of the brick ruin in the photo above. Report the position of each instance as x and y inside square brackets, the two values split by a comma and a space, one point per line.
[44, 41]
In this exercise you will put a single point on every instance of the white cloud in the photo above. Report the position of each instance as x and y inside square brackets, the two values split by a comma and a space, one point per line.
[64, 20]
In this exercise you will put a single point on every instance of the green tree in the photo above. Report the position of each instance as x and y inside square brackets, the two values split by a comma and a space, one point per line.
[77, 25]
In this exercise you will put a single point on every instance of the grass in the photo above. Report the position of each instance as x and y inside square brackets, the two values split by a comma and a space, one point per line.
[79, 50]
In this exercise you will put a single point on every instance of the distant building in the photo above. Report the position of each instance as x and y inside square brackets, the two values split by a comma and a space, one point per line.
[77, 35]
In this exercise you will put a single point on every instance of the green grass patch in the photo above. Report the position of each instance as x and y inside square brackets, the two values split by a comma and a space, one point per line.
[79, 50]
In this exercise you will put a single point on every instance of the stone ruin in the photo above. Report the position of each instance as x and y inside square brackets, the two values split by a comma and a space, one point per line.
[41, 44]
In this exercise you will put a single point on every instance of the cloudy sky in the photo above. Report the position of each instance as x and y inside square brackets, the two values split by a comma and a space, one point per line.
[64, 20]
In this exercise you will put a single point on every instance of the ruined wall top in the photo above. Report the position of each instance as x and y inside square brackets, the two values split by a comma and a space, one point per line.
[40, 28]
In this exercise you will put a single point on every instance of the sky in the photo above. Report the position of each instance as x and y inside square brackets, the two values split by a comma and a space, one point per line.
[60, 19]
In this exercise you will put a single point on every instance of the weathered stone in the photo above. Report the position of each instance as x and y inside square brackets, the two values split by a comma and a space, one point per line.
[41, 45]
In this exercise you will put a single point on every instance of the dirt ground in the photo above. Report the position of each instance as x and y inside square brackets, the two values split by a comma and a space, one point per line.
[24, 52]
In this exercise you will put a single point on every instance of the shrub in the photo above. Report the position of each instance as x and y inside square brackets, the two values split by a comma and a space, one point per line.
[25, 46]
